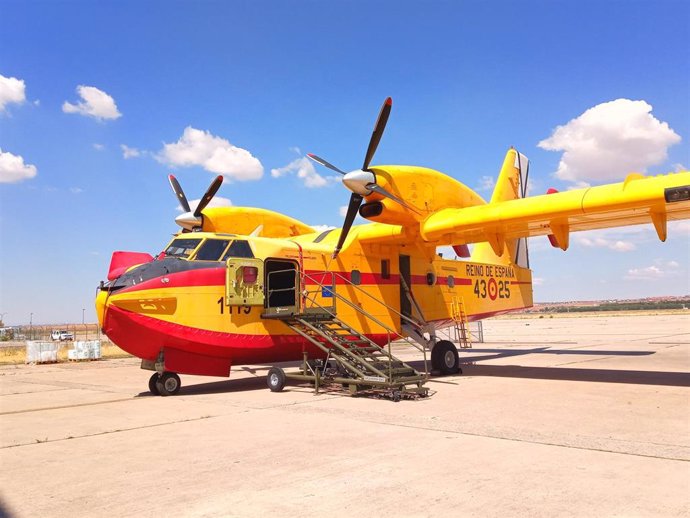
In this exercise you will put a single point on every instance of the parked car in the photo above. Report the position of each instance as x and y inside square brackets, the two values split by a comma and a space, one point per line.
[62, 335]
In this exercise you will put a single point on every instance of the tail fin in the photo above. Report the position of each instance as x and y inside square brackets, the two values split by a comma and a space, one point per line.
[511, 185]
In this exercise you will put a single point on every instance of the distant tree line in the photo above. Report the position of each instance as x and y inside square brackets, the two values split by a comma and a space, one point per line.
[623, 306]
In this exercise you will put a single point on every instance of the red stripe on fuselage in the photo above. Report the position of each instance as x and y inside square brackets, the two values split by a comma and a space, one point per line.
[199, 277]
[215, 276]
[145, 337]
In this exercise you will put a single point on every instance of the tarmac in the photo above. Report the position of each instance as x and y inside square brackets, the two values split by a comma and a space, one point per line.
[551, 417]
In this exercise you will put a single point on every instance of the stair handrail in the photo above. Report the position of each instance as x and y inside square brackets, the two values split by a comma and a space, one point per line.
[361, 310]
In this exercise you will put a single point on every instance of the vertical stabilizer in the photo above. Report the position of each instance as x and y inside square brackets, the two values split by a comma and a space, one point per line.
[510, 185]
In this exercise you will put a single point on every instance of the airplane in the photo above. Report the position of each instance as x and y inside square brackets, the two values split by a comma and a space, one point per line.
[242, 285]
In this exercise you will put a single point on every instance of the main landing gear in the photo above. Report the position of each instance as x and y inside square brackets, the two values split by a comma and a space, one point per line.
[445, 358]
[166, 384]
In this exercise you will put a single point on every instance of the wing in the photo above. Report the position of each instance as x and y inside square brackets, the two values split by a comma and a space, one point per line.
[639, 199]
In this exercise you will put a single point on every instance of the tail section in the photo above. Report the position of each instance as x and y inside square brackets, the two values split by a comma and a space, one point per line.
[511, 185]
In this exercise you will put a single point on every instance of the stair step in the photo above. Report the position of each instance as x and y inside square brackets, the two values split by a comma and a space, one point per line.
[343, 342]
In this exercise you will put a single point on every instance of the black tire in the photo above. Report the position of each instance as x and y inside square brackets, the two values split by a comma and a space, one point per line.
[152, 384]
[168, 384]
[445, 358]
[276, 379]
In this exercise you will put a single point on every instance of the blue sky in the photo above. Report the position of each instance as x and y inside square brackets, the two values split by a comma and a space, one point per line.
[267, 82]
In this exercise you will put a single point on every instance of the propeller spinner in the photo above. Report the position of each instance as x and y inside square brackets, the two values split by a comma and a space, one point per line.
[362, 182]
[189, 220]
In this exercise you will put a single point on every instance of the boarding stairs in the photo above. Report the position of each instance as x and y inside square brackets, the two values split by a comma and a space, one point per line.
[360, 357]
[352, 359]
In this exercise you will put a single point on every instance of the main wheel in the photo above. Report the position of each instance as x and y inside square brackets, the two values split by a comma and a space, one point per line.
[168, 384]
[445, 358]
[276, 379]
[152, 384]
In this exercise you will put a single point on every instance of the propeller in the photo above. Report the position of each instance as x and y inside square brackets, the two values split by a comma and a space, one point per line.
[362, 182]
[189, 220]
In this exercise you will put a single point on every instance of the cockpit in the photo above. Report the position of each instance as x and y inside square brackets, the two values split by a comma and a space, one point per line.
[208, 249]
[184, 254]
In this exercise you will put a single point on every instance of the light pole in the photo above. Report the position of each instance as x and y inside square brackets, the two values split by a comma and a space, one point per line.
[31, 326]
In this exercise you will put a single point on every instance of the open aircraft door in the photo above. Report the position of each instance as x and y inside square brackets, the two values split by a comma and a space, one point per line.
[282, 280]
[244, 282]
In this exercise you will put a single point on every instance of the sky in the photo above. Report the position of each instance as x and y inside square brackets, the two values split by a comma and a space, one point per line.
[100, 101]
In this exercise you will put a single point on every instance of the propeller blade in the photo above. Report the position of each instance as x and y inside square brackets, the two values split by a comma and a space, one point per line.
[179, 193]
[353, 207]
[378, 132]
[383, 192]
[208, 196]
[321, 161]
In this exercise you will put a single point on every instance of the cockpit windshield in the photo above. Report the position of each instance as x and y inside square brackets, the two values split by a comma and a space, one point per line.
[182, 247]
[209, 249]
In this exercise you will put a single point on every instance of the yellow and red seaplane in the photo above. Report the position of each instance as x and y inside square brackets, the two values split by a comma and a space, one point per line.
[250, 286]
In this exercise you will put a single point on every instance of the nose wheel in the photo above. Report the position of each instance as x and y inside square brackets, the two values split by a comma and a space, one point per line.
[166, 384]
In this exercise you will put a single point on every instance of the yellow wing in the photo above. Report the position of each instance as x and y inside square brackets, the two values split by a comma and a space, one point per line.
[639, 199]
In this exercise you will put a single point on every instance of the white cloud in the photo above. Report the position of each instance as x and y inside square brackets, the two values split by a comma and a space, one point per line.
[680, 227]
[95, 103]
[486, 183]
[129, 152]
[538, 281]
[13, 169]
[660, 270]
[322, 228]
[342, 211]
[304, 168]
[648, 273]
[98, 147]
[609, 141]
[599, 242]
[76, 190]
[216, 201]
[12, 90]
[215, 154]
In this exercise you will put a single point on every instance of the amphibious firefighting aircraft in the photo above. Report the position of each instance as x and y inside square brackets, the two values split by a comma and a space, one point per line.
[250, 286]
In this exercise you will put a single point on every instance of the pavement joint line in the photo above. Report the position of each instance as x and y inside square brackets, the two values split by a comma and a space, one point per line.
[66, 385]
[28, 410]
[34, 392]
[582, 361]
[527, 441]
[108, 432]
[658, 336]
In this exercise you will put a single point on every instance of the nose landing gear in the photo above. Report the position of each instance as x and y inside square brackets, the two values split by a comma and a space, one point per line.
[166, 384]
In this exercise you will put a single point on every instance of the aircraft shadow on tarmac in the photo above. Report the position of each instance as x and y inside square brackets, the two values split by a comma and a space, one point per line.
[258, 382]
[471, 367]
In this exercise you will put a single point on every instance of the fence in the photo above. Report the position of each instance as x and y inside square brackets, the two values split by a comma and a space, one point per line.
[475, 329]
[18, 335]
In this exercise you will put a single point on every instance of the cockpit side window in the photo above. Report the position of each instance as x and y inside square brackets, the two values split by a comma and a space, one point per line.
[238, 248]
[181, 247]
[211, 250]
